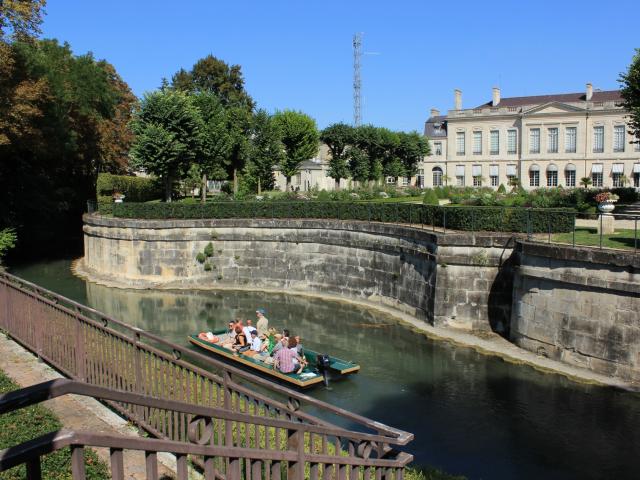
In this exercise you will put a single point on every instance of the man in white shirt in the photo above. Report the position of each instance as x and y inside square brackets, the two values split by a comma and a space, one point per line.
[247, 330]
[255, 343]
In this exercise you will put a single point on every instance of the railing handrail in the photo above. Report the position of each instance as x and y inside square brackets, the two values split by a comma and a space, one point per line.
[51, 389]
[395, 435]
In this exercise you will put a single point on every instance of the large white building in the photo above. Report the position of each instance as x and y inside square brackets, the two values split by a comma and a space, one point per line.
[543, 141]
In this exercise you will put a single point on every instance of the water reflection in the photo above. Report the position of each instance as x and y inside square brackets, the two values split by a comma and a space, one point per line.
[471, 414]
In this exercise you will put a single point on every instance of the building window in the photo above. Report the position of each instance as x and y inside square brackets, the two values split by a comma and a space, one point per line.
[636, 146]
[460, 175]
[391, 180]
[596, 179]
[598, 139]
[636, 175]
[405, 181]
[618, 138]
[495, 142]
[437, 176]
[552, 141]
[476, 172]
[534, 178]
[552, 177]
[511, 174]
[298, 179]
[512, 142]
[477, 181]
[493, 175]
[534, 140]
[477, 143]
[617, 180]
[437, 147]
[460, 143]
[570, 176]
[570, 135]
[617, 174]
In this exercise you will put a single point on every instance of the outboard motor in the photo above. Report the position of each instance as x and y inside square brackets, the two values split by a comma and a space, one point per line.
[322, 365]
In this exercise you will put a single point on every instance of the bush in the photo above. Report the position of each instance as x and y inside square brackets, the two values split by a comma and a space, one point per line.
[7, 241]
[430, 198]
[207, 267]
[201, 257]
[135, 189]
[500, 219]
[502, 190]
[627, 195]
[208, 250]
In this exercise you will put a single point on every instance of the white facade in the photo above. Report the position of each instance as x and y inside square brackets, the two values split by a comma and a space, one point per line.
[544, 141]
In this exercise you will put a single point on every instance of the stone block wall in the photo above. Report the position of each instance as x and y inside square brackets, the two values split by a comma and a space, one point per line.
[580, 306]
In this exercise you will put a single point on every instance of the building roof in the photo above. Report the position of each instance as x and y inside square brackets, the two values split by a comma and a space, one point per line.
[430, 126]
[598, 96]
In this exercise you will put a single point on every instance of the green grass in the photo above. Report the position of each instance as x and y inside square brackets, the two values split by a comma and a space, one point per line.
[417, 199]
[589, 236]
[430, 474]
[27, 423]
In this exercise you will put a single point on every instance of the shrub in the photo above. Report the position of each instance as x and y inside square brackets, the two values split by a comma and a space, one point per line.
[201, 257]
[207, 267]
[501, 219]
[135, 189]
[7, 240]
[208, 250]
[626, 195]
[430, 198]
[502, 190]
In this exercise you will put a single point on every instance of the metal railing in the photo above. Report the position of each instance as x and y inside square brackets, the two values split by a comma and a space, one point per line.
[273, 449]
[91, 347]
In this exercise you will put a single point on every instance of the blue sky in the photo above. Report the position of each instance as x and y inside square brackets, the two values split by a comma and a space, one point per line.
[298, 55]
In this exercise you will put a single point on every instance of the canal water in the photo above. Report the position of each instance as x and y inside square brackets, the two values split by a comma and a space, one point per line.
[471, 414]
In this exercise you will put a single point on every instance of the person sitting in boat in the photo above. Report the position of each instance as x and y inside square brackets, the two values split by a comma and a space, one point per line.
[298, 361]
[263, 323]
[285, 334]
[241, 344]
[284, 359]
[247, 330]
[230, 335]
[255, 344]
[208, 337]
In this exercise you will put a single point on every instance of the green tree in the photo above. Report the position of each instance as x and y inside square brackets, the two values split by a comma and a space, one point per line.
[210, 74]
[168, 131]
[299, 136]
[585, 182]
[238, 126]
[7, 241]
[20, 18]
[359, 165]
[265, 151]
[215, 140]
[630, 81]
[338, 137]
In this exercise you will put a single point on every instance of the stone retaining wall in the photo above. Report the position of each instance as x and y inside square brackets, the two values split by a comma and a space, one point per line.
[580, 306]
[442, 279]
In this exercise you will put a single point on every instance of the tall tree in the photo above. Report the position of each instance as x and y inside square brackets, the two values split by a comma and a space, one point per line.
[359, 165]
[168, 128]
[20, 18]
[215, 139]
[210, 74]
[338, 137]
[300, 141]
[265, 151]
[630, 92]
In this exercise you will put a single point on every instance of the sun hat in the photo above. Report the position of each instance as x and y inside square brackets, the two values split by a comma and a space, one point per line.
[261, 310]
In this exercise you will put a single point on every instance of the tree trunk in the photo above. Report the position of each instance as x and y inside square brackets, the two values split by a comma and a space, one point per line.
[259, 186]
[167, 189]
[337, 187]
[203, 192]
[288, 184]
[235, 181]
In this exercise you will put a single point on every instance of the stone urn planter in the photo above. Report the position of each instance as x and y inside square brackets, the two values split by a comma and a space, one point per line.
[607, 206]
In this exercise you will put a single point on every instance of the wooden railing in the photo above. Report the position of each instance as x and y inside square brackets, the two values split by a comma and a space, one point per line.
[276, 449]
[93, 348]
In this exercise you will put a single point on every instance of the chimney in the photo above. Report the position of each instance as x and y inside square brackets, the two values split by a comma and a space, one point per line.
[458, 102]
[589, 95]
[496, 96]
[435, 112]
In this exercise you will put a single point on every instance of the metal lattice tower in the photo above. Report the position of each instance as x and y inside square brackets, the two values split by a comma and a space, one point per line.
[357, 81]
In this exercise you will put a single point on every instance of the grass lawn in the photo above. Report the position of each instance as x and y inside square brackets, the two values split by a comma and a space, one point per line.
[589, 236]
[417, 199]
[27, 423]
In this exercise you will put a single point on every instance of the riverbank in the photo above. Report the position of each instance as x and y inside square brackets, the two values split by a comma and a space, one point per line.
[487, 343]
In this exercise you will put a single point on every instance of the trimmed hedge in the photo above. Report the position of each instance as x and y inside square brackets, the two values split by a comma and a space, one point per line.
[135, 189]
[496, 219]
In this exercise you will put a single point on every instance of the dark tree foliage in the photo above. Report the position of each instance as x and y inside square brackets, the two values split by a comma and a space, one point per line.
[630, 92]
[62, 120]
[338, 137]
[213, 75]
[265, 151]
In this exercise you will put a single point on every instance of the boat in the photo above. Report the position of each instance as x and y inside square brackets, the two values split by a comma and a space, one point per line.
[311, 375]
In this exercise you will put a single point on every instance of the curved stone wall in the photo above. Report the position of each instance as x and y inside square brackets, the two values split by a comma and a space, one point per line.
[381, 264]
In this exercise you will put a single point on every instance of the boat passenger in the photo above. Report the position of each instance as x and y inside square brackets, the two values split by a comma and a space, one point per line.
[247, 330]
[208, 337]
[292, 345]
[263, 323]
[241, 344]
[285, 334]
[284, 359]
[255, 342]
[279, 344]
[230, 335]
